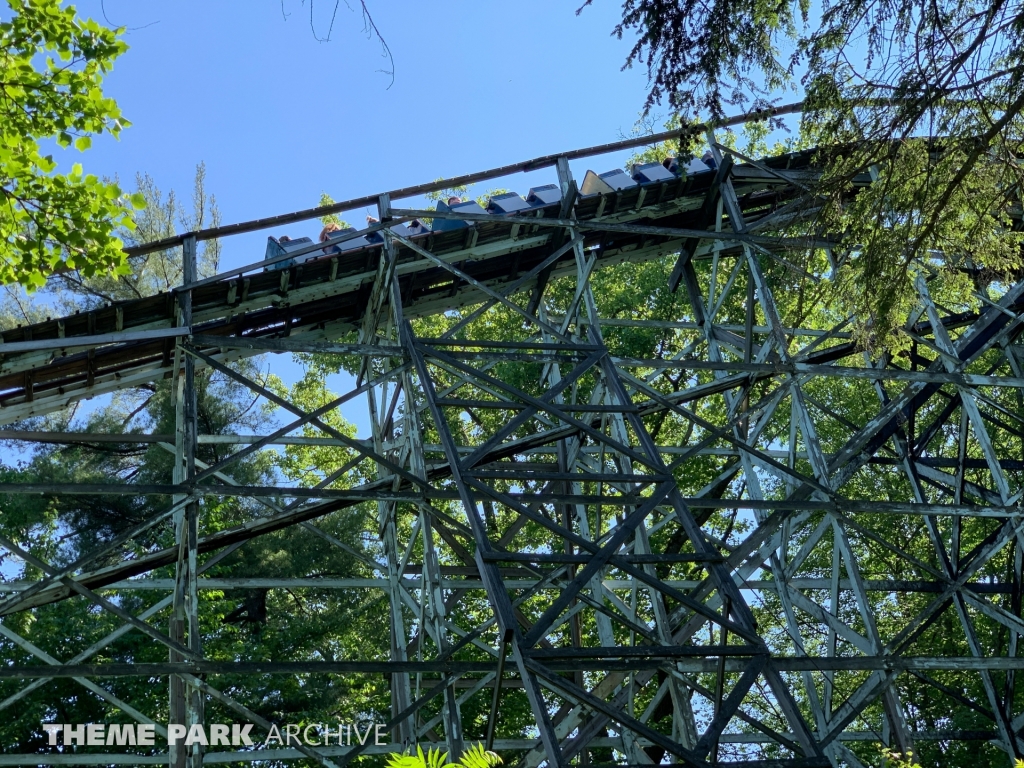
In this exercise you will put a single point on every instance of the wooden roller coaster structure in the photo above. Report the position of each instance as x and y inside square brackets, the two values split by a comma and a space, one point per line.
[631, 629]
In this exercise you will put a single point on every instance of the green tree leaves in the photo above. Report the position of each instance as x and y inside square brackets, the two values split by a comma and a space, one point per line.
[926, 98]
[51, 73]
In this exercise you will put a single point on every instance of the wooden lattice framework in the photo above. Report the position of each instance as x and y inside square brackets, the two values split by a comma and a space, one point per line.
[596, 619]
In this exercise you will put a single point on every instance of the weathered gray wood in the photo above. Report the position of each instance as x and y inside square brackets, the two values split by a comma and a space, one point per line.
[765, 241]
[591, 609]
[75, 342]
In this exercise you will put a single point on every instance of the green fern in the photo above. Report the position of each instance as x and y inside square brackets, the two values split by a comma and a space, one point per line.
[478, 757]
[435, 759]
[403, 761]
[474, 757]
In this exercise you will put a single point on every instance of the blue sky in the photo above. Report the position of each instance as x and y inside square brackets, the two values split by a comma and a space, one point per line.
[279, 117]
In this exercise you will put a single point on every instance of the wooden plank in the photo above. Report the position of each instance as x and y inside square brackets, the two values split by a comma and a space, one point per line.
[73, 342]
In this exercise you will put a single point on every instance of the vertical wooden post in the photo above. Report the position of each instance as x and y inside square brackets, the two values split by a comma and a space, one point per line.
[186, 702]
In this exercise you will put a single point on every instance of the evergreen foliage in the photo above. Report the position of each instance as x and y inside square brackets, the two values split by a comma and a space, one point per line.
[925, 97]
